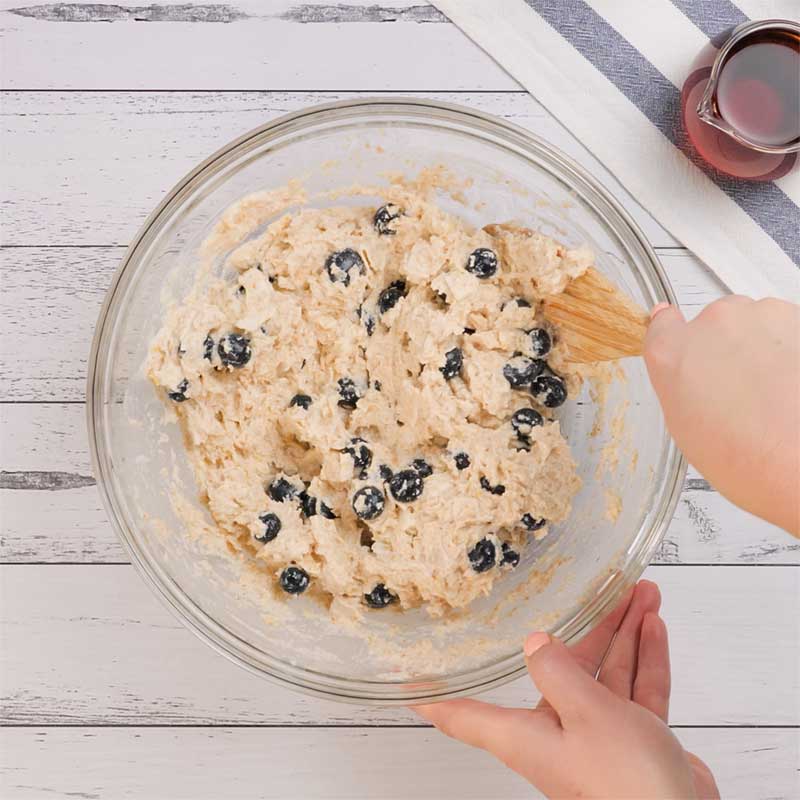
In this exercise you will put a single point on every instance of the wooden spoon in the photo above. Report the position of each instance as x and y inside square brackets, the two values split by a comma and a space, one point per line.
[595, 320]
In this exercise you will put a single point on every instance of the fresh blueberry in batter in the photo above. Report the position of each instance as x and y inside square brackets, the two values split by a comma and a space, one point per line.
[510, 557]
[524, 420]
[540, 342]
[423, 468]
[326, 510]
[522, 303]
[208, 347]
[360, 453]
[302, 400]
[531, 523]
[280, 490]
[453, 361]
[368, 502]
[179, 395]
[380, 597]
[406, 485]
[272, 527]
[520, 370]
[234, 350]
[384, 217]
[308, 504]
[338, 265]
[482, 262]
[385, 472]
[483, 555]
[348, 394]
[294, 580]
[462, 461]
[487, 487]
[391, 295]
[549, 390]
[469, 331]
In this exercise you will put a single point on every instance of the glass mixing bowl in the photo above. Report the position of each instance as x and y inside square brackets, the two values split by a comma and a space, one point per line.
[565, 583]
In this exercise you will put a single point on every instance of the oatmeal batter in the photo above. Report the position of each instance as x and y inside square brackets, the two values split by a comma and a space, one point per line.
[367, 401]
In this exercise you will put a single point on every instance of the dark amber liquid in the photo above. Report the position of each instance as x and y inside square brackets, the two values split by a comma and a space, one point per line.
[758, 92]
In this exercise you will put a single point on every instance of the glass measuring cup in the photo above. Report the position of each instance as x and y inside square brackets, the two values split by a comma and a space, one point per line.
[741, 102]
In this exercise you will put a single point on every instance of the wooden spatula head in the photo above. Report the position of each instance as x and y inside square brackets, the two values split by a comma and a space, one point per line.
[595, 320]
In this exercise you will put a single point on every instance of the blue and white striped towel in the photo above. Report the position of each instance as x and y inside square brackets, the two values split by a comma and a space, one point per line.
[611, 72]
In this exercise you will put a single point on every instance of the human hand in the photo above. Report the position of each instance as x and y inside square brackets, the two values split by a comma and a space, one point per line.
[729, 384]
[604, 738]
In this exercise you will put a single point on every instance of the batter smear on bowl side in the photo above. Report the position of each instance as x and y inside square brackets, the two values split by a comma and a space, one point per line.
[367, 397]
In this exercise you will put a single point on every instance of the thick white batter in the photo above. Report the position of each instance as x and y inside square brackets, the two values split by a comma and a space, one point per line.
[345, 391]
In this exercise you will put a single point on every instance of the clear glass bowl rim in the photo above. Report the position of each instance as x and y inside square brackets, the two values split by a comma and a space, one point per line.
[574, 624]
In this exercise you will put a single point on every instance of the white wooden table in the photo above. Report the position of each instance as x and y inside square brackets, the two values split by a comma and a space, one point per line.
[104, 693]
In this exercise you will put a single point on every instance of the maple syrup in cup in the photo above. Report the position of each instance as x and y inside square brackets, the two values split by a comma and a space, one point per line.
[741, 101]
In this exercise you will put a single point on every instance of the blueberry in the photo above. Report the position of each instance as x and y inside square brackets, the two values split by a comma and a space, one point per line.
[308, 504]
[368, 502]
[482, 262]
[272, 527]
[208, 347]
[385, 472]
[510, 557]
[294, 580]
[483, 556]
[380, 597]
[462, 461]
[524, 420]
[377, 385]
[406, 485]
[348, 394]
[487, 487]
[469, 331]
[302, 400]
[326, 510]
[241, 291]
[453, 361]
[234, 350]
[280, 490]
[531, 523]
[360, 453]
[540, 342]
[339, 264]
[383, 218]
[423, 468]
[391, 295]
[522, 302]
[549, 390]
[521, 370]
[179, 395]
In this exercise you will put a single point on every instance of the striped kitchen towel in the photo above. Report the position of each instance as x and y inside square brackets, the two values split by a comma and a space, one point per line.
[611, 71]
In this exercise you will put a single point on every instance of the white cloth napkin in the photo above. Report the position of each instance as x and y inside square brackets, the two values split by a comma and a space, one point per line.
[611, 72]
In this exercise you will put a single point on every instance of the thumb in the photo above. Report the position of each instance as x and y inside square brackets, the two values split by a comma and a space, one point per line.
[573, 694]
[663, 346]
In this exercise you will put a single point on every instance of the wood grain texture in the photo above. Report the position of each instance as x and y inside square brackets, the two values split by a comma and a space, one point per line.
[394, 764]
[118, 154]
[358, 45]
[91, 645]
[52, 295]
[57, 517]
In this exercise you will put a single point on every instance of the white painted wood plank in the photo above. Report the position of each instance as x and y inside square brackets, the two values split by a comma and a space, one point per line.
[256, 45]
[342, 763]
[90, 645]
[59, 518]
[52, 295]
[119, 153]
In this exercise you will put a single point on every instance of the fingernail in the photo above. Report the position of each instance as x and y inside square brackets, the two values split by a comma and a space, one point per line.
[658, 309]
[534, 642]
